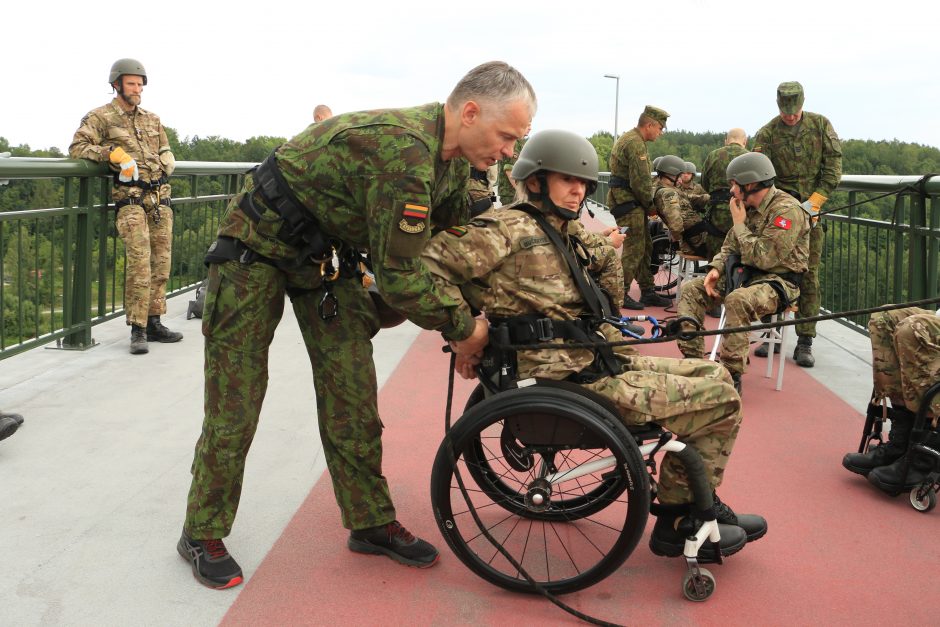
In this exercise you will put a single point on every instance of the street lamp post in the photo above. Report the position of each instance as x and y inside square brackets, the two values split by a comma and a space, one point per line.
[616, 100]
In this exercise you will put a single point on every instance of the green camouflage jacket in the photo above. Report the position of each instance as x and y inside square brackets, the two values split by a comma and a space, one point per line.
[715, 168]
[629, 160]
[374, 180]
[807, 157]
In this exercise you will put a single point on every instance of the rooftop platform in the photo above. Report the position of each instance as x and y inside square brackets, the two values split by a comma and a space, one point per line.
[93, 493]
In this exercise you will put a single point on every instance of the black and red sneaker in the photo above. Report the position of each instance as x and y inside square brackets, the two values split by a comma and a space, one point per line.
[396, 542]
[212, 564]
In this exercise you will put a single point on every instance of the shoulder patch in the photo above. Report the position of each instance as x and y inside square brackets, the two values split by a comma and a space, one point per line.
[457, 231]
[783, 223]
[414, 218]
[530, 242]
[758, 149]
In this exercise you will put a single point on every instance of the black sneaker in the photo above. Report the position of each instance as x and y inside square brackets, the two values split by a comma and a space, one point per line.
[670, 533]
[762, 349]
[755, 527]
[8, 425]
[156, 332]
[653, 299]
[629, 303]
[212, 564]
[396, 542]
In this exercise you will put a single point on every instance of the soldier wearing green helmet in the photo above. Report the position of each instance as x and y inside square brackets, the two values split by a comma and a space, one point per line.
[693, 191]
[769, 240]
[807, 155]
[674, 208]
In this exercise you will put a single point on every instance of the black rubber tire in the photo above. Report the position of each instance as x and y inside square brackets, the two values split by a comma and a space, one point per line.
[562, 552]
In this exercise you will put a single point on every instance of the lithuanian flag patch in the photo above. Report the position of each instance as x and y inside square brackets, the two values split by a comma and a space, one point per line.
[457, 231]
[416, 212]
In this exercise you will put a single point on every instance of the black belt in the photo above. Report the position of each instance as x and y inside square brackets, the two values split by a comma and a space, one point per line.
[142, 184]
[702, 227]
[623, 209]
[530, 328]
[229, 249]
[618, 182]
[133, 201]
[719, 196]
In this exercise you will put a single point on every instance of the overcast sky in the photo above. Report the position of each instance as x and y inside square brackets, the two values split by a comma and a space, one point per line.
[240, 69]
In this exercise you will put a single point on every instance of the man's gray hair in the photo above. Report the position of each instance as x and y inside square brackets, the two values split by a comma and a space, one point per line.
[494, 82]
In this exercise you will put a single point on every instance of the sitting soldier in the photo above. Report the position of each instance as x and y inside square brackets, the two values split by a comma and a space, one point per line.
[531, 258]
[674, 208]
[905, 347]
[771, 238]
[692, 190]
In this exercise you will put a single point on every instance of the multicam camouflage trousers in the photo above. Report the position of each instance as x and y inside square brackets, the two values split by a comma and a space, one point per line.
[637, 250]
[692, 398]
[905, 350]
[809, 289]
[742, 307]
[244, 303]
[148, 237]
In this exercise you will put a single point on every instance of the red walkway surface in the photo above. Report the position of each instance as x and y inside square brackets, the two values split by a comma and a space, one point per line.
[838, 552]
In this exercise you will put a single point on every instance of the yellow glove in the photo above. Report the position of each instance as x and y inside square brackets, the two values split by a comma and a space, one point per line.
[129, 171]
[817, 200]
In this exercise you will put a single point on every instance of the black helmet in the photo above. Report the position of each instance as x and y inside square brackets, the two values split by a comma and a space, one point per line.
[127, 66]
[751, 167]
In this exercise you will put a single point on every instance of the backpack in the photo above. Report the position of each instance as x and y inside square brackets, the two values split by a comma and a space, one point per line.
[196, 306]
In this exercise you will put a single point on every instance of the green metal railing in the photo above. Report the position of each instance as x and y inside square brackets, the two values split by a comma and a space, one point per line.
[62, 267]
[881, 247]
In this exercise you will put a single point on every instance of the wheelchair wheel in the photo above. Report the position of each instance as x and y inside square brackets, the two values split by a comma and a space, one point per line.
[566, 493]
[664, 262]
[492, 462]
[923, 498]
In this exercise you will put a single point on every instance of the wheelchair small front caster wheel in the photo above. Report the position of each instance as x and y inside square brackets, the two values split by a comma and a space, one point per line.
[923, 499]
[698, 587]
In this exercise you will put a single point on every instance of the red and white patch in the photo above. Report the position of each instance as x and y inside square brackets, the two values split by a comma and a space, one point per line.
[783, 223]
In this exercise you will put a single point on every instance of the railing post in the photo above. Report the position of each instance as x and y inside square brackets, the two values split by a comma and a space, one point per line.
[80, 310]
[917, 257]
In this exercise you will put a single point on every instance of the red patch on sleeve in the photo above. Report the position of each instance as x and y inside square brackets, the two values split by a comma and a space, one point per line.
[783, 223]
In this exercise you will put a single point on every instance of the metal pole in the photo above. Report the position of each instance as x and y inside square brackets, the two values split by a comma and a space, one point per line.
[616, 100]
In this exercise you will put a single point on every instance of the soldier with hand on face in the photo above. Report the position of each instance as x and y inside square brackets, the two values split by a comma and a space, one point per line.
[490, 265]
[630, 199]
[371, 182]
[807, 155]
[134, 143]
[770, 238]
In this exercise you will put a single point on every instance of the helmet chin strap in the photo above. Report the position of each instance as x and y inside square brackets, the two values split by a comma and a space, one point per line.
[547, 203]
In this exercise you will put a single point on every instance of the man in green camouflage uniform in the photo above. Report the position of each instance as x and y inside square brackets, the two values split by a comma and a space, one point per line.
[478, 189]
[505, 186]
[134, 143]
[504, 264]
[905, 346]
[675, 208]
[715, 183]
[377, 182]
[807, 156]
[770, 232]
[630, 200]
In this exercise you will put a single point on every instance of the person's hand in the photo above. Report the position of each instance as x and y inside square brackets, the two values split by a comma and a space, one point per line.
[129, 171]
[711, 283]
[477, 341]
[465, 365]
[738, 211]
[614, 235]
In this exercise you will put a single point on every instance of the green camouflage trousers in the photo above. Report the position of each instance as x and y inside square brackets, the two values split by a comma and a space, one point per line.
[244, 303]
[720, 216]
[637, 250]
[809, 290]
[692, 398]
[742, 307]
[147, 244]
[905, 351]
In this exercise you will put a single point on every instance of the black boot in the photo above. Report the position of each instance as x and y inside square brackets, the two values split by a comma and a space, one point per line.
[629, 303]
[156, 332]
[886, 453]
[9, 423]
[394, 541]
[672, 529]
[755, 527]
[907, 472]
[803, 353]
[138, 340]
[653, 299]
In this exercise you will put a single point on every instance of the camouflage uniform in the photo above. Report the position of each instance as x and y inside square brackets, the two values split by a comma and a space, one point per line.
[629, 160]
[144, 217]
[905, 347]
[696, 194]
[774, 239]
[375, 181]
[479, 191]
[715, 183]
[674, 207]
[507, 192]
[808, 159]
[503, 264]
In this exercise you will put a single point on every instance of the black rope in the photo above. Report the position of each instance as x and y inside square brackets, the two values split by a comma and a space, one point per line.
[473, 513]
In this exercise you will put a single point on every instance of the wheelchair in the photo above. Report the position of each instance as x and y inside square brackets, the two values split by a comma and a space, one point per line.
[561, 489]
[923, 497]
[664, 257]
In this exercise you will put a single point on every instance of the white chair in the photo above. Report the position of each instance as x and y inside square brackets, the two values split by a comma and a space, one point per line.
[770, 337]
[688, 270]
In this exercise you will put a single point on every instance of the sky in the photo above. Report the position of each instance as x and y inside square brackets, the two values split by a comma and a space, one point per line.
[240, 69]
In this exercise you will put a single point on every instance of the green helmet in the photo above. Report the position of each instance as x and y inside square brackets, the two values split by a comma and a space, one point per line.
[789, 97]
[751, 167]
[557, 151]
[656, 162]
[689, 167]
[671, 165]
[127, 66]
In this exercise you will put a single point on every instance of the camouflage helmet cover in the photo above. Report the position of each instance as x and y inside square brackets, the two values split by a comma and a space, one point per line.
[557, 151]
[790, 97]
[127, 66]
[671, 165]
[751, 167]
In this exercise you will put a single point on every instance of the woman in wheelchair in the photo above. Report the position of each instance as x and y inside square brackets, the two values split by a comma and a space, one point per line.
[529, 267]
[905, 347]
